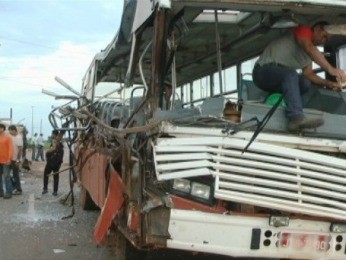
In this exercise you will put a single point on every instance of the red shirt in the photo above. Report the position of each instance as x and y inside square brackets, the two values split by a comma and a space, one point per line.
[6, 149]
[303, 31]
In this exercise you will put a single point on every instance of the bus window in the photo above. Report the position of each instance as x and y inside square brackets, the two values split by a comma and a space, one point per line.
[104, 88]
[185, 95]
[230, 79]
[216, 80]
[201, 88]
[341, 58]
[206, 87]
[247, 66]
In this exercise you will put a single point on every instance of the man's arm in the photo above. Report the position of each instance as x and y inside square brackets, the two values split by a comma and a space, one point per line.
[311, 75]
[319, 58]
[53, 147]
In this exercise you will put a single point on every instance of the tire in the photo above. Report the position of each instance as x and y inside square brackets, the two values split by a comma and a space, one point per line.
[86, 201]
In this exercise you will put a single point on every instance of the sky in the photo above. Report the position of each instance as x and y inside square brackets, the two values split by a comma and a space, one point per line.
[42, 39]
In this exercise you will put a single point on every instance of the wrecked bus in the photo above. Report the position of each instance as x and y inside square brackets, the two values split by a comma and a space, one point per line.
[173, 167]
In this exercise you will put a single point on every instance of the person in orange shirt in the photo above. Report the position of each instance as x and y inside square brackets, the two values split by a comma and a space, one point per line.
[6, 154]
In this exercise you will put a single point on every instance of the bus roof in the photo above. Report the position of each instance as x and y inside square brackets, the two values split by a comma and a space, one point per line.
[244, 27]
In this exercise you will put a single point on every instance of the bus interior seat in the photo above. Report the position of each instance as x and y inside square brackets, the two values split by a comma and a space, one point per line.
[249, 92]
[101, 110]
[98, 106]
[134, 103]
[119, 115]
[178, 104]
[213, 106]
[108, 112]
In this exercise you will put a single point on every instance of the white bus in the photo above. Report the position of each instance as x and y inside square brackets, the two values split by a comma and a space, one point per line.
[180, 172]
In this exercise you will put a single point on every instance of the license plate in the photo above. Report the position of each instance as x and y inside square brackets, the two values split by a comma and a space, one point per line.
[318, 242]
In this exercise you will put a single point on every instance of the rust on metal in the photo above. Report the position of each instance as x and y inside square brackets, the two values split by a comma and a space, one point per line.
[114, 202]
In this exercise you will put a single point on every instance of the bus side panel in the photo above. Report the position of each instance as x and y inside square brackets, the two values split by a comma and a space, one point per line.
[93, 175]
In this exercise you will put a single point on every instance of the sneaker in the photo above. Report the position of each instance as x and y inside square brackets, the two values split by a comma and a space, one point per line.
[7, 196]
[298, 123]
[44, 191]
[17, 192]
[55, 193]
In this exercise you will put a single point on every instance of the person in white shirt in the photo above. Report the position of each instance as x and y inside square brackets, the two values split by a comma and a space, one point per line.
[33, 146]
[17, 141]
[40, 147]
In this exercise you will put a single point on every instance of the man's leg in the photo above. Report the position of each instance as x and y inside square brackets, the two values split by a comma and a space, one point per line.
[7, 180]
[56, 182]
[47, 171]
[33, 153]
[273, 78]
[1, 182]
[37, 153]
[291, 91]
[305, 87]
[297, 121]
[15, 172]
[304, 84]
[42, 154]
[24, 152]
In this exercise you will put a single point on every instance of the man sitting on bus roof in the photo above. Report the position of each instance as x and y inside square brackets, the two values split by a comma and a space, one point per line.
[275, 71]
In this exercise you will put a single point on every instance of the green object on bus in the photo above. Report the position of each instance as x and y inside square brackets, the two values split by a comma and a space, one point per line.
[273, 98]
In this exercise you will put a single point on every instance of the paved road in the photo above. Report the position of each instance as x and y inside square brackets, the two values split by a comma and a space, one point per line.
[39, 227]
[34, 226]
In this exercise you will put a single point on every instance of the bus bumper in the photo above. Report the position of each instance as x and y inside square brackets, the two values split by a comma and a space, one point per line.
[244, 236]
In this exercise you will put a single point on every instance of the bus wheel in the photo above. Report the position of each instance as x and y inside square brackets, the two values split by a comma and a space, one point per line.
[125, 250]
[86, 201]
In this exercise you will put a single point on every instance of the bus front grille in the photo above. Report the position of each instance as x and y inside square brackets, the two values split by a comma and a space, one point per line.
[266, 175]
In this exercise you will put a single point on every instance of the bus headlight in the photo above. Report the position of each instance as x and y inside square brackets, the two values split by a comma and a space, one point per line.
[195, 190]
[182, 185]
[200, 190]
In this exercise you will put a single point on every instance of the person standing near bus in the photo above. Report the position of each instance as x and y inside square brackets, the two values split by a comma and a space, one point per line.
[25, 142]
[6, 155]
[40, 148]
[33, 143]
[276, 71]
[54, 158]
[17, 141]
